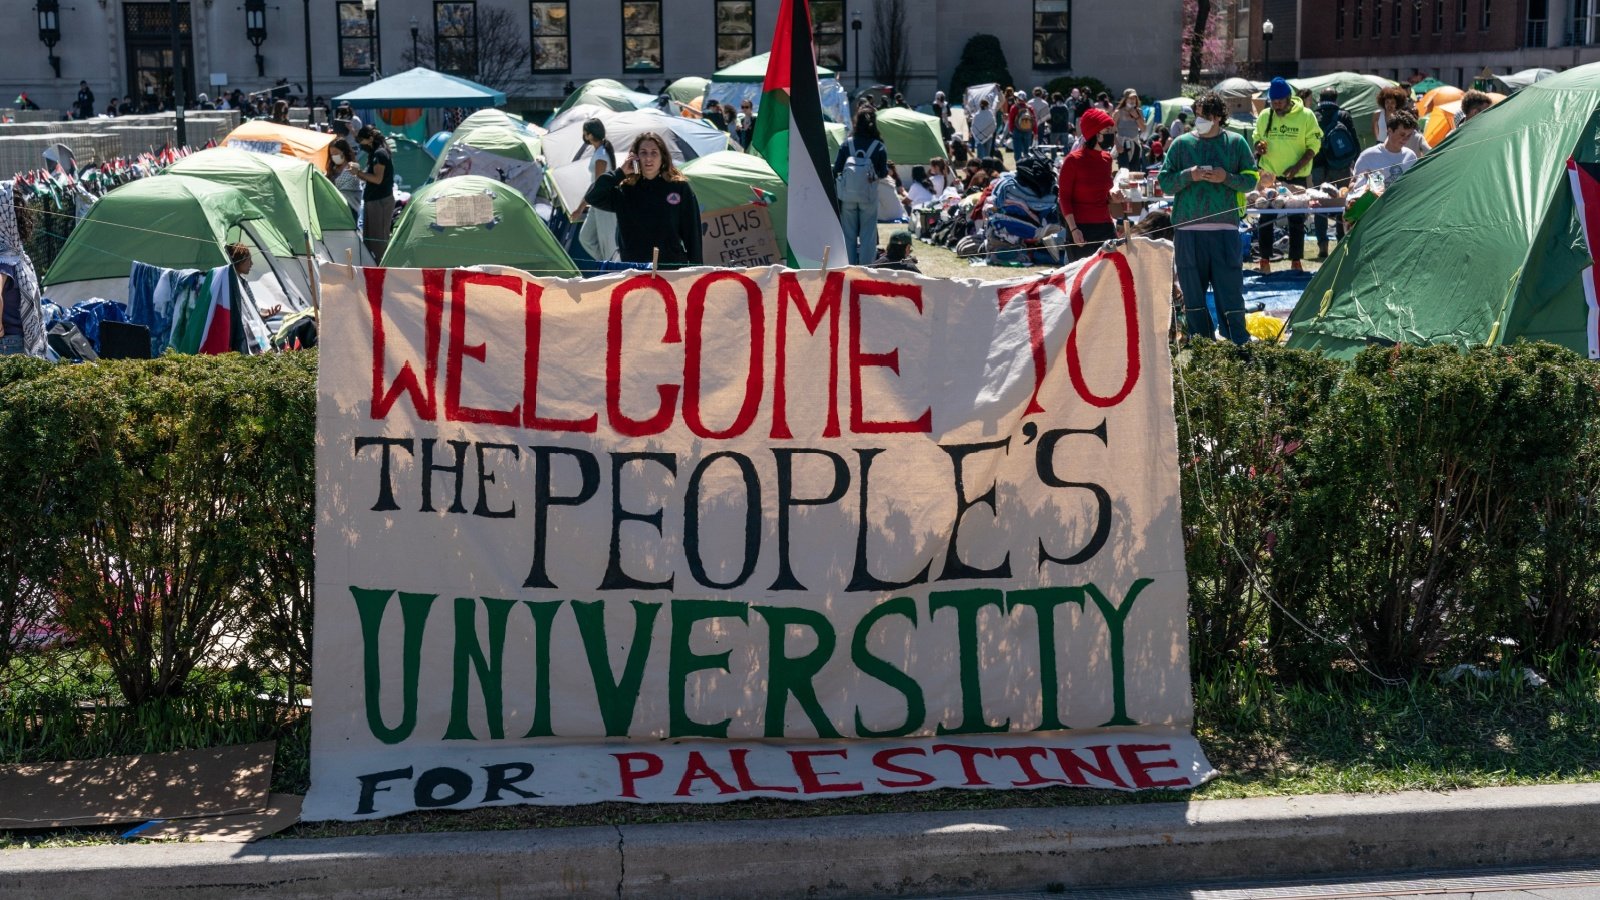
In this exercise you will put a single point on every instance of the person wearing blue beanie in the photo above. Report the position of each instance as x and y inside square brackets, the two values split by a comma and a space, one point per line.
[1287, 138]
[1279, 89]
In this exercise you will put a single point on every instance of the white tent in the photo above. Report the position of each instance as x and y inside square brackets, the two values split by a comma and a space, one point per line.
[568, 155]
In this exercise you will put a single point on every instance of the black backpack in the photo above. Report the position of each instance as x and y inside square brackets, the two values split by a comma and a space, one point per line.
[1037, 175]
[1339, 146]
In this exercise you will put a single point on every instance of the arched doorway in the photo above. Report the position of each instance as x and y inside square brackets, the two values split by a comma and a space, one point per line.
[147, 40]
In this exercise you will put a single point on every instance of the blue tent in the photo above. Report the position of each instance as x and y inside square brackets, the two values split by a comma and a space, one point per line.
[422, 88]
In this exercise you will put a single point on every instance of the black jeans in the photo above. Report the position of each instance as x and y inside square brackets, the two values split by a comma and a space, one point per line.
[1339, 177]
[1266, 230]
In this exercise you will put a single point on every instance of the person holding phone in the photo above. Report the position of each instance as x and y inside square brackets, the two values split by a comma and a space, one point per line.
[655, 206]
[1207, 172]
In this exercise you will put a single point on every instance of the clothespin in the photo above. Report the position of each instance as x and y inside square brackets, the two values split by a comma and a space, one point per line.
[349, 257]
[655, 259]
[825, 249]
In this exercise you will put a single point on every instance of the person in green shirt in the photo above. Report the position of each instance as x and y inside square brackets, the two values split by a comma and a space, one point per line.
[1288, 137]
[1207, 172]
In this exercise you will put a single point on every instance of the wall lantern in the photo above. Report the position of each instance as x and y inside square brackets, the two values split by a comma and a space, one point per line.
[50, 30]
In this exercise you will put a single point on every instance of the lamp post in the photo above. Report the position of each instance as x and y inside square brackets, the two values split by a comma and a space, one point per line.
[311, 86]
[178, 98]
[414, 60]
[255, 30]
[855, 26]
[50, 30]
[1266, 49]
[371, 6]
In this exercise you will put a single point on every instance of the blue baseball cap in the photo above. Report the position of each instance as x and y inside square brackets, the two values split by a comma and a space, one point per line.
[1279, 89]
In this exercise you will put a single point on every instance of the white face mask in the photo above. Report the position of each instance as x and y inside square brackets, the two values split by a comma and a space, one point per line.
[1202, 126]
[338, 160]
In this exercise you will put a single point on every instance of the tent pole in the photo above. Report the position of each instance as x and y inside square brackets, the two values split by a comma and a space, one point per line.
[311, 275]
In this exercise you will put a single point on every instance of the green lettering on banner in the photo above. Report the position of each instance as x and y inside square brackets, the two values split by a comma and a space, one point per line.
[683, 662]
[967, 605]
[792, 674]
[1043, 602]
[470, 658]
[1115, 616]
[617, 696]
[875, 667]
[370, 606]
[544, 617]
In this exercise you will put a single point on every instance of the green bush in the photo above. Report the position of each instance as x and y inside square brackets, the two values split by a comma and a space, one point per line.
[1090, 87]
[29, 549]
[982, 61]
[157, 478]
[1242, 418]
[1407, 535]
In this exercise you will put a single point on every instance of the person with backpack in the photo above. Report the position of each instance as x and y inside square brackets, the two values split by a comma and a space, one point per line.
[1287, 140]
[862, 161]
[1340, 147]
[1061, 121]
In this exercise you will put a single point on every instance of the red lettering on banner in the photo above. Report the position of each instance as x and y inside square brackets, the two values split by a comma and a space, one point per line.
[1075, 766]
[884, 759]
[533, 327]
[1140, 768]
[406, 381]
[1024, 757]
[811, 316]
[631, 776]
[811, 779]
[697, 769]
[662, 418]
[741, 773]
[969, 761]
[694, 315]
[1032, 295]
[454, 411]
[860, 359]
[1130, 309]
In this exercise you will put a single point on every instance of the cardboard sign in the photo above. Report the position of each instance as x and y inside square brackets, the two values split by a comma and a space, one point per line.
[457, 210]
[716, 534]
[739, 236]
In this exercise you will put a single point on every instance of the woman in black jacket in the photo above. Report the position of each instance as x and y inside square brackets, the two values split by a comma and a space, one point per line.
[656, 209]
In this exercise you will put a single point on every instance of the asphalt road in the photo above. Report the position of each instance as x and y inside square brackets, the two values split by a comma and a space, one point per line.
[1573, 882]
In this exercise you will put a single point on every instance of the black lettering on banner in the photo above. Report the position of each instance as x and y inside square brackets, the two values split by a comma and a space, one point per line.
[544, 498]
[787, 500]
[615, 578]
[752, 521]
[505, 777]
[486, 477]
[1045, 464]
[429, 467]
[369, 787]
[861, 579]
[956, 568]
[385, 482]
[425, 791]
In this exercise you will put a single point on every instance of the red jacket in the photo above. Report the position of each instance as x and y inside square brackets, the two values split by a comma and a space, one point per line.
[1083, 187]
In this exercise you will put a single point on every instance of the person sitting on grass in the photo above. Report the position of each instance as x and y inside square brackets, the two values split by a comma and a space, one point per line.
[897, 255]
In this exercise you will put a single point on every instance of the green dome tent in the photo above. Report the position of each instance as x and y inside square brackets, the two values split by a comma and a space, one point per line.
[1426, 85]
[731, 178]
[446, 224]
[687, 88]
[1478, 244]
[1358, 96]
[413, 164]
[284, 189]
[608, 93]
[911, 138]
[171, 221]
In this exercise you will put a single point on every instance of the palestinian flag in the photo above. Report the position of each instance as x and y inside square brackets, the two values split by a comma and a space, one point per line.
[790, 137]
[1586, 194]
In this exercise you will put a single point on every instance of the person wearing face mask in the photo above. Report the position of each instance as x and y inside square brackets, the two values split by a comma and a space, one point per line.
[1083, 186]
[1207, 172]
[342, 170]
[656, 209]
[377, 211]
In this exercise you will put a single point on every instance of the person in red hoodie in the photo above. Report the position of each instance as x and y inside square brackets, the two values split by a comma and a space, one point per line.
[1084, 187]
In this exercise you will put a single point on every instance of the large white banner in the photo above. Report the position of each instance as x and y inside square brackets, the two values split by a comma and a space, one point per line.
[719, 534]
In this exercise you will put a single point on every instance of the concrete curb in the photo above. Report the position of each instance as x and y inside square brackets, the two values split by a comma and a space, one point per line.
[895, 855]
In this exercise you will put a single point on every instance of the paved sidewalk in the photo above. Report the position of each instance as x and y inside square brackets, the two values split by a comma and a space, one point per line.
[945, 853]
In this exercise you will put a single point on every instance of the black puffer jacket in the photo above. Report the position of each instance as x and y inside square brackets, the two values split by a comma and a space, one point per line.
[651, 213]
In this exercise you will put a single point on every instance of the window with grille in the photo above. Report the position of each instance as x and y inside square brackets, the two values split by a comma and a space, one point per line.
[356, 43]
[827, 26]
[455, 36]
[550, 35]
[641, 36]
[1052, 34]
[736, 31]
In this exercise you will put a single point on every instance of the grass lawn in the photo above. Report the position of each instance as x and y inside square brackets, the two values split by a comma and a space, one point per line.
[1347, 734]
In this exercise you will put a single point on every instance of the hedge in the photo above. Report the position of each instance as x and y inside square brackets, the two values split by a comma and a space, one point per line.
[1414, 508]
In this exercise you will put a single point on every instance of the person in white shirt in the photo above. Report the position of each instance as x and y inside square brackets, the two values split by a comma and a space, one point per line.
[598, 232]
[1040, 106]
[982, 128]
[1179, 125]
[1392, 157]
